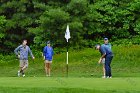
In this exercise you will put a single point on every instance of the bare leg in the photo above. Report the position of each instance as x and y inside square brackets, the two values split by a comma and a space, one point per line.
[103, 70]
[23, 66]
[19, 71]
[46, 69]
[20, 68]
[49, 69]
[23, 69]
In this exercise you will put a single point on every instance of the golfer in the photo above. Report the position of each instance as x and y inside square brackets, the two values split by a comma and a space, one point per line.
[22, 53]
[106, 43]
[48, 57]
[108, 55]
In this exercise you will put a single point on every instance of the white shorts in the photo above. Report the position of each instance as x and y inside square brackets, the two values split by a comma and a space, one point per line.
[103, 61]
[23, 63]
[47, 61]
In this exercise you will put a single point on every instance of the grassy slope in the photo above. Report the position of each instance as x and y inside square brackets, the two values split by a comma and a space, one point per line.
[126, 63]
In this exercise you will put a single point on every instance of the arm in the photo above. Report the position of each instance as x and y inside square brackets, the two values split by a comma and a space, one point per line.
[16, 50]
[30, 52]
[100, 60]
[103, 54]
[44, 52]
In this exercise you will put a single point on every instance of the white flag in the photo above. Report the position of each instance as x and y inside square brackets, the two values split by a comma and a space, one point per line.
[67, 34]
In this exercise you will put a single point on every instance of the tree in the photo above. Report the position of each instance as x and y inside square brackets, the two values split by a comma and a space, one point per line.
[89, 21]
[20, 15]
[2, 31]
[52, 27]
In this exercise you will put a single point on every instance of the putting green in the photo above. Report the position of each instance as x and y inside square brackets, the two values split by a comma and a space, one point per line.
[126, 84]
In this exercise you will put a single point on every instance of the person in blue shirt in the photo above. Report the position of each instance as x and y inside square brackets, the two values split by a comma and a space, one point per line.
[106, 53]
[106, 43]
[22, 52]
[48, 57]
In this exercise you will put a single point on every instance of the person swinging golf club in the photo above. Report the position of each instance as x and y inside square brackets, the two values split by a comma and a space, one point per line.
[106, 43]
[108, 55]
[22, 52]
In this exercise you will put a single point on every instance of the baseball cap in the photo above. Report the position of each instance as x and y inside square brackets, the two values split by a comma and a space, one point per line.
[48, 42]
[105, 38]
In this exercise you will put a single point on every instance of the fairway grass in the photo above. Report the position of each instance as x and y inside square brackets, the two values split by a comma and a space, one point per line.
[68, 85]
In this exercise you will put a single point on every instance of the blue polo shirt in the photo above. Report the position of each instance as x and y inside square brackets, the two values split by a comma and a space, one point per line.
[104, 49]
[48, 53]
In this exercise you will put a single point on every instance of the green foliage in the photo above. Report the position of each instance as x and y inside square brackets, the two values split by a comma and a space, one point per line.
[128, 42]
[77, 7]
[53, 24]
[89, 21]
[20, 15]
[2, 26]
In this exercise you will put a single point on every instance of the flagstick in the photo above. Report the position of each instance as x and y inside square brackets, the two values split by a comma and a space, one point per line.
[67, 60]
[67, 36]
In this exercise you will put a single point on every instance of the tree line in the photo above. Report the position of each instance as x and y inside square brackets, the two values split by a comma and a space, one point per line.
[89, 21]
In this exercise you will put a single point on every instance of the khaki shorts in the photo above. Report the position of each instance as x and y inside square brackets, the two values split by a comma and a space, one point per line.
[47, 61]
[23, 63]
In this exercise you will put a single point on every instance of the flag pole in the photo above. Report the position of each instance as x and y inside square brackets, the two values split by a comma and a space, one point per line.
[67, 36]
[67, 60]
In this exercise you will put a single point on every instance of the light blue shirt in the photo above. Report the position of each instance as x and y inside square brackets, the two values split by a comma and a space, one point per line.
[108, 45]
[23, 51]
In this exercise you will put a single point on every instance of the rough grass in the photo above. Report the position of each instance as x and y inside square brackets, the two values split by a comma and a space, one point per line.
[83, 63]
